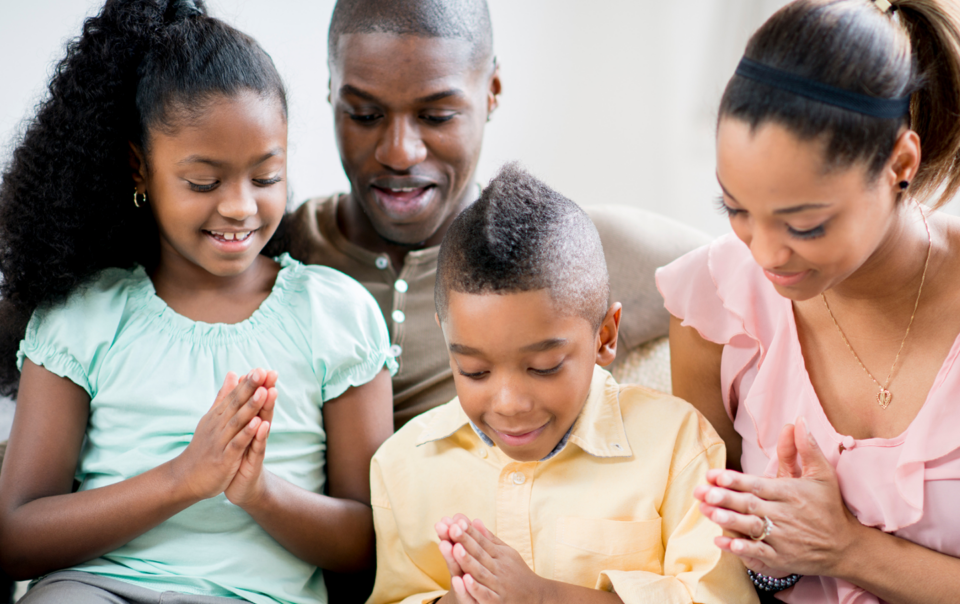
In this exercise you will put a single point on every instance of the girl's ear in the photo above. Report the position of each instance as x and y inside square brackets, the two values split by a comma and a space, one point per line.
[607, 337]
[138, 166]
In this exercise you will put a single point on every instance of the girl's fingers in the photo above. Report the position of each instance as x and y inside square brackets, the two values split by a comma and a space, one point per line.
[266, 412]
[229, 383]
[479, 592]
[239, 443]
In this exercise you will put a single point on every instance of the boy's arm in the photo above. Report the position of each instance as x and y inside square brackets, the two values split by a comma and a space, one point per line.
[399, 579]
[694, 569]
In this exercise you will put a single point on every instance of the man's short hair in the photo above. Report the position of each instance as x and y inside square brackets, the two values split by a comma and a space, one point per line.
[467, 20]
[521, 235]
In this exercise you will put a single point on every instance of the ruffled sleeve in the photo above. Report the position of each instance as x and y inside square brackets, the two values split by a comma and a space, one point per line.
[349, 336]
[72, 338]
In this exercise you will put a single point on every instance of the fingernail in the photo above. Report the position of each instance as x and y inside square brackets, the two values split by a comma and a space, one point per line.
[724, 480]
[462, 524]
[258, 395]
[721, 517]
[455, 531]
[736, 546]
[714, 496]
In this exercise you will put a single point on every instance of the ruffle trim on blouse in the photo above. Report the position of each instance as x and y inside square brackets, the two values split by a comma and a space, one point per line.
[54, 361]
[358, 375]
[766, 318]
[143, 297]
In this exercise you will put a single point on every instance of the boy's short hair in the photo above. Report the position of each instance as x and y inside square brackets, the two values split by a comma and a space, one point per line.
[521, 235]
[467, 20]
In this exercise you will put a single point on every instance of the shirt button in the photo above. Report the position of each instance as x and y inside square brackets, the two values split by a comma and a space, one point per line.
[482, 453]
[398, 316]
[519, 478]
[847, 443]
[396, 350]
[382, 262]
[401, 286]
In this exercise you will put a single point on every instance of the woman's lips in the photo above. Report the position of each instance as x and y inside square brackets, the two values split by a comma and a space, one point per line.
[785, 279]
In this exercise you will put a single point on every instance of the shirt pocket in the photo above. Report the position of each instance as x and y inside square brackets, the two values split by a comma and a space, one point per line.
[588, 546]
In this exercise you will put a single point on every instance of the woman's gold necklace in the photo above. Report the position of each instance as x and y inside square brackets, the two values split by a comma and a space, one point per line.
[884, 396]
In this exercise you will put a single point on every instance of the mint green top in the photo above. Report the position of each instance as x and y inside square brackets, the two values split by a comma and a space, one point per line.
[151, 375]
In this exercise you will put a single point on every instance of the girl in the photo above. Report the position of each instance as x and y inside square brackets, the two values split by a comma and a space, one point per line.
[821, 340]
[142, 307]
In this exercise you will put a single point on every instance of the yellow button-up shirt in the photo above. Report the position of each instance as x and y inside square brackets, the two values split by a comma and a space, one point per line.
[613, 509]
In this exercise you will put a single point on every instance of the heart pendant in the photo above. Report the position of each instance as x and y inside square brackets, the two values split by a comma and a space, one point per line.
[884, 397]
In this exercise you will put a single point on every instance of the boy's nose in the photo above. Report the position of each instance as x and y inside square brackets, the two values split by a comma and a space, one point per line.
[511, 399]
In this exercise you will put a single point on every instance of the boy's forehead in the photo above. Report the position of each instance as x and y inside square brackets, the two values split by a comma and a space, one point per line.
[525, 321]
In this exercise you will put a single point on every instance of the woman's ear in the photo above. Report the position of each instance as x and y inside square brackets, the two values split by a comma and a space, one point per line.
[904, 161]
[138, 167]
[607, 336]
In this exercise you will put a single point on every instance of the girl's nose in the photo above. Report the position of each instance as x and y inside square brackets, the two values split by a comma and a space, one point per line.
[238, 203]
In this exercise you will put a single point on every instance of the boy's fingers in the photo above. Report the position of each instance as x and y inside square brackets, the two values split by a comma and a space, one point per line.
[486, 532]
[446, 550]
[472, 566]
[469, 544]
[482, 541]
[481, 593]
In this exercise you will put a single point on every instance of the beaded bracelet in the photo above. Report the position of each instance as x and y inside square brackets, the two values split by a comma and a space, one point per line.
[773, 584]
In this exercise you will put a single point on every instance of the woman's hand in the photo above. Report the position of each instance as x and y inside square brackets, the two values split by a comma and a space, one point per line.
[249, 483]
[210, 462]
[812, 527]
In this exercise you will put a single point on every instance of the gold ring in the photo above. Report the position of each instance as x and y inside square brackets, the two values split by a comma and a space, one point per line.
[765, 531]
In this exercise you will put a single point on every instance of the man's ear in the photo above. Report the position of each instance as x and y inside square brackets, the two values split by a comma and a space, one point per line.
[493, 93]
[607, 336]
[138, 168]
[330, 90]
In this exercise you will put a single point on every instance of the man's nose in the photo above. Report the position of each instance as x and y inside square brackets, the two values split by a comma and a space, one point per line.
[401, 146]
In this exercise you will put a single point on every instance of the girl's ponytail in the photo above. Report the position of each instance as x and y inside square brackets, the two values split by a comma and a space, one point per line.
[934, 30]
[66, 198]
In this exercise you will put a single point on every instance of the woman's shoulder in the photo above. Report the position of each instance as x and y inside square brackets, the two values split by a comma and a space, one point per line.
[719, 290]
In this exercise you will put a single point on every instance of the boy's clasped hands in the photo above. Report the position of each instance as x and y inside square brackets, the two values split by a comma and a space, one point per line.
[228, 447]
[484, 569]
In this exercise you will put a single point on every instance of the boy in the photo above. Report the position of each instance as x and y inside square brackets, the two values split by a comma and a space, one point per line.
[580, 490]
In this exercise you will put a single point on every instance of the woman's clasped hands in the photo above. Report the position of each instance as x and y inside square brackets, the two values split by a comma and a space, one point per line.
[227, 450]
[795, 523]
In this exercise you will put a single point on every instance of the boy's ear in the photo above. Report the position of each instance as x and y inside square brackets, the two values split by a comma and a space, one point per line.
[607, 337]
[436, 317]
[138, 166]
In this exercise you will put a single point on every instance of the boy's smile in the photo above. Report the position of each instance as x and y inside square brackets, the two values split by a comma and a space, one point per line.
[522, 368]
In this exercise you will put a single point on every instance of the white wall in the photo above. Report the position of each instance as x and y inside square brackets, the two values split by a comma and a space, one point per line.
[610, 101]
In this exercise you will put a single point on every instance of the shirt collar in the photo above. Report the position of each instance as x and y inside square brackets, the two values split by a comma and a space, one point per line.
[598, 430]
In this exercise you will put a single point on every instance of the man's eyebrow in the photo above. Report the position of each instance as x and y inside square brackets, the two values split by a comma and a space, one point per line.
[439, 96]
[545, 345]
[199, 159]
[430, 98]
[791, 210]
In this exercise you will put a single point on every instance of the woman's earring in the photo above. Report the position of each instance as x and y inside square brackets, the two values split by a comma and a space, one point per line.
[904, 184]
[136, 198]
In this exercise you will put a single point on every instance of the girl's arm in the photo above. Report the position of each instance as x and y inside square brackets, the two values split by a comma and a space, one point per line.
[45, 527]
[695, 373]
[334, 532]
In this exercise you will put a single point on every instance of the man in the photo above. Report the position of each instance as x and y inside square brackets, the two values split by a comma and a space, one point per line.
[412, 84]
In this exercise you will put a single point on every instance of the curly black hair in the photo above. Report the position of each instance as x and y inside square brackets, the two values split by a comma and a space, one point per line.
[66, 198]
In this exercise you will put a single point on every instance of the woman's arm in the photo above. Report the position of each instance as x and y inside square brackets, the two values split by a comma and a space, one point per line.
[814, 533]
[334, 532]
[695, 373]
[45, 527]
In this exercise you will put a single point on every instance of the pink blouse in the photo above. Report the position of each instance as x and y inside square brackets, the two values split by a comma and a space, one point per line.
[907, 486]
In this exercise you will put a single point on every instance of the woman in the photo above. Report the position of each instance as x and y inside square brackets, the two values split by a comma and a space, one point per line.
[821, 339]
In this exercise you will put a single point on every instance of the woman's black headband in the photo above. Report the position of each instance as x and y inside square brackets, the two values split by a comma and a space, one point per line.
[824, 93]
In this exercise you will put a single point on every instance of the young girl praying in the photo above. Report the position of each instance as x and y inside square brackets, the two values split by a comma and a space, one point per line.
[218, 408]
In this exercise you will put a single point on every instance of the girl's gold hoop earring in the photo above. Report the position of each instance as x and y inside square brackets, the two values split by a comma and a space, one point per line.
[136, 198]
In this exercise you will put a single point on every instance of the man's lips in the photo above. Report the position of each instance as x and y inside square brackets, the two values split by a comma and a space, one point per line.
[406, 199]
[785, 279]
